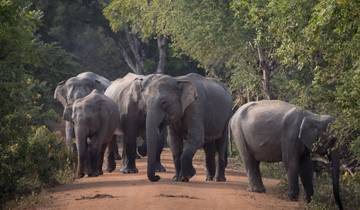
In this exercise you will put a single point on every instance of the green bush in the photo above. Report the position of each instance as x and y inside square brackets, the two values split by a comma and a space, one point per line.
[323, 198]
[30, 164]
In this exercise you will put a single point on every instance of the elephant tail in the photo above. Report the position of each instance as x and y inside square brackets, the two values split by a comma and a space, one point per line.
[230, 147]
[335, 165]
[236, 130]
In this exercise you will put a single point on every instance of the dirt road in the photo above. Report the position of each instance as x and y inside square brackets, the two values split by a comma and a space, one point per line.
[134, 191]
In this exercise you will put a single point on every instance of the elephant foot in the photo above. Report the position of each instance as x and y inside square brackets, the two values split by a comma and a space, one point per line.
[189, 173]
[256, 189]
[176, 178]
[293, 196]
[101, 172]
[185, 179]
[154, 178]
[180, 179]
[209, 178]
[95, 174]
[110, 169]
[129, 170]
[159, 168]
[220, 179]
[308, 199]
[80, 175]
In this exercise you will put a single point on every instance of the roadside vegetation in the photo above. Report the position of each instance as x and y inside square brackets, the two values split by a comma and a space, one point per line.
[303, 52]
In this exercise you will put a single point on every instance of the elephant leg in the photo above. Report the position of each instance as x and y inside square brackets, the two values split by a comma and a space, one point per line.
[158, 166]
[251, 164]
[194, 142]
[292, 167]
[210, 160]
[221, 147]
[176, 147]
[129, 155]
[306, 175]
[116, 149]
[101, 159]
[110, 154]
[95, 156]
[254, 175]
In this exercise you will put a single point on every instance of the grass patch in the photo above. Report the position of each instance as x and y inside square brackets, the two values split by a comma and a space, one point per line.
[273, 170]
[29, 201]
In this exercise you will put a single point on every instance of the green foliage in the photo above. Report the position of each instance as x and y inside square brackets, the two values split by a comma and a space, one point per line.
[323, 196]
[145, 17]
[29, 164]
[31, 156]
[311, 47]
[80, 28]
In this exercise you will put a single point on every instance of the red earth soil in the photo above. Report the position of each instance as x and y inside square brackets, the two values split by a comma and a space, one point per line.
[134, 191]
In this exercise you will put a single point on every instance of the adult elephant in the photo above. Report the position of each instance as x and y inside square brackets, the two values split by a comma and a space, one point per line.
[96, 118]
[74, 88]
[195, 110]
[272, 131]
[126, 92]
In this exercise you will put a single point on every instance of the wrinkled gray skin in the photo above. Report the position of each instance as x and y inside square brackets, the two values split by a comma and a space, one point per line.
[273, 131]
[74, 88]
[95, 118]
[126, 92]
[195, 110]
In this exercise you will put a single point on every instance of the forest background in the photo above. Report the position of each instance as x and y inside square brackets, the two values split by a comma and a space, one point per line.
[303, 52]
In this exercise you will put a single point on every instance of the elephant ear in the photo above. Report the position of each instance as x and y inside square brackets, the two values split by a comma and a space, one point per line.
[60, 93]
[99, 86]
[308, 132]
[188, 93]
[311, 127]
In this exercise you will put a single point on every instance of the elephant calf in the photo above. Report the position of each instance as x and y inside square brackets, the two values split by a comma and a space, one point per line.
[74, 88]
[273, 131]
[95, 118]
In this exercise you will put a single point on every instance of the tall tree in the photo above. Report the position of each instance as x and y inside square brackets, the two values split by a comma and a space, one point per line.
[143, 18]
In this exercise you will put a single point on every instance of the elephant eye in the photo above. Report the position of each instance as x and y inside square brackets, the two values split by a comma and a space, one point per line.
[164, 104]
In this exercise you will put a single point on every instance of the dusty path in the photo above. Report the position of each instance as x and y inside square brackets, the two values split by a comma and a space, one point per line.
[118, 191]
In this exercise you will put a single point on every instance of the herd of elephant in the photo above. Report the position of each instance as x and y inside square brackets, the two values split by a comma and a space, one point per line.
[190, 112]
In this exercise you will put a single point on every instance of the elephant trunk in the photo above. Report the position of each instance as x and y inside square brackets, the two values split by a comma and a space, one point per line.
[153, 123]
[142, 149]
[334, 158]
[69, 134]
[67, 113]
[82, 149]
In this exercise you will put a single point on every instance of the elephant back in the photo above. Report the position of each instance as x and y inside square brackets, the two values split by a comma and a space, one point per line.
[90, 75]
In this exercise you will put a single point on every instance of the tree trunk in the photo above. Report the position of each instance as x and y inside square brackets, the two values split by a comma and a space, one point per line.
[130, 47]
[247, 94]
[265, 68]
[161, 41]
[136, 50]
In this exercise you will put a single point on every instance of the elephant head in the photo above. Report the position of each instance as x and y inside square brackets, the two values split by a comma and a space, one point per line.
[165, 100]
[74, 88]
[312, 127]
